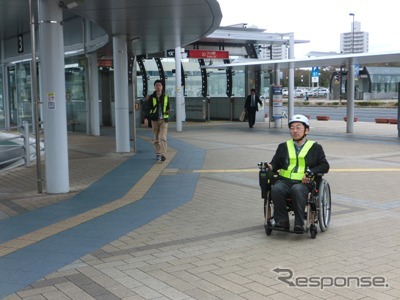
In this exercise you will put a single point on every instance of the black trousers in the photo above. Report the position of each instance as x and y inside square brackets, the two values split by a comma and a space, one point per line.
[295, 190]
[251, 115]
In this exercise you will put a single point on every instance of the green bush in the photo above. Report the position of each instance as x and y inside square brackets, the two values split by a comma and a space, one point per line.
[369, 103]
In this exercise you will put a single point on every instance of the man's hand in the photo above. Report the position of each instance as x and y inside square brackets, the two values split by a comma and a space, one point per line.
[306, 179]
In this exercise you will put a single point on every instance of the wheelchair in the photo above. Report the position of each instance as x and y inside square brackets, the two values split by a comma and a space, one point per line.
[318, 205]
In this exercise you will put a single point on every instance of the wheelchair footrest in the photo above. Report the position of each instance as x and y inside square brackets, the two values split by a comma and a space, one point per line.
[267, 227]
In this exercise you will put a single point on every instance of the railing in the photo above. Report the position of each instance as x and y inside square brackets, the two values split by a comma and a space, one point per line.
[20, 150]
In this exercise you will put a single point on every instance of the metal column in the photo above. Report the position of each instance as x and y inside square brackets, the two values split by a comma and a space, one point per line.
[291, 77]
[94, 110]
[350, 97]
[277, 80]
[36, 99]
[178, 89]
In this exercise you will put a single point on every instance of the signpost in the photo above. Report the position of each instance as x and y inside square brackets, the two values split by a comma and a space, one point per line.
[276, 105]
[315, 74]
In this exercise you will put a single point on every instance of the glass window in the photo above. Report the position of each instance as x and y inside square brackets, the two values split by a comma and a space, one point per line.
[238, 79]
[169, 72]
[152, 74]
[19, 90]
[193, 82]
[216, 83]
[75, 90]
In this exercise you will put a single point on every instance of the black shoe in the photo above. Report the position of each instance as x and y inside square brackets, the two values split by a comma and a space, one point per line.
[282, 225]
[298, 229]
[162, 157]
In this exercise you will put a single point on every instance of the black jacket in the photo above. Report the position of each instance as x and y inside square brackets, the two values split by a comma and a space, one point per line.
[315, 159]
[247, 104]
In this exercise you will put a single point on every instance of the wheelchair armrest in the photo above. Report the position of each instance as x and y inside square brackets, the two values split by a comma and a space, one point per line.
[318, 178]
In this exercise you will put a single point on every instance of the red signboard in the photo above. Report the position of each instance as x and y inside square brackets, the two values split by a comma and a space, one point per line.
[209, 54]
[104, 62]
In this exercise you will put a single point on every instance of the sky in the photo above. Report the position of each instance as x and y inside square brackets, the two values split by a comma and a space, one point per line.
[319, 21]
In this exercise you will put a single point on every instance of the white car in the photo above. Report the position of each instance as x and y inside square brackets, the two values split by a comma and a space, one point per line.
[322, 92]
[310, 92]
[299, 93]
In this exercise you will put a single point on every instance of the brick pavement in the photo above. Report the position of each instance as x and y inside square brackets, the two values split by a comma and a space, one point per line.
[214, 246]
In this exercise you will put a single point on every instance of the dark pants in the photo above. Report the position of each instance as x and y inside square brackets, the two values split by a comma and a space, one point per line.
[251, 115]
[298, 192]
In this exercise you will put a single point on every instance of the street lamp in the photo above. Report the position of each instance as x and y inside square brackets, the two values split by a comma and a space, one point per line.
[352, 31]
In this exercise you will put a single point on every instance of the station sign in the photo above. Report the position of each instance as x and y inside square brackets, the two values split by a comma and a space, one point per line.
[171, 53]
[20, 44]
[208, 54]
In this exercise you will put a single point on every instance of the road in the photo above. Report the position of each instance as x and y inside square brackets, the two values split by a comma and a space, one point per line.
[364, 114]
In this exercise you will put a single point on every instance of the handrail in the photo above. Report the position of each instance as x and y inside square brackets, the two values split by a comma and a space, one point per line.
[22, 143]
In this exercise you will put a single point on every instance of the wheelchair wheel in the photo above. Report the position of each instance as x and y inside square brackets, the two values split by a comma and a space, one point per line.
[268, 214]
[324, 205]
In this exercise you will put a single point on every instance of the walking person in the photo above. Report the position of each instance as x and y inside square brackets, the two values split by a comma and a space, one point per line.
[158, 107]
[251, 107]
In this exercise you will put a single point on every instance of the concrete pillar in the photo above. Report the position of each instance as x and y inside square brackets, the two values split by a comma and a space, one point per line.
[350, 97]
[52, 81]
[178, 87]
[93, 87]
[121, 93]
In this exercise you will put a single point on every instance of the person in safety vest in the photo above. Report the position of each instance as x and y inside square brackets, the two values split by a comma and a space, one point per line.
[158, 107]
[291, 161]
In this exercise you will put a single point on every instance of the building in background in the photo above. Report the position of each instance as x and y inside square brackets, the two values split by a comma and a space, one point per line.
[354, 41]
[273, 52]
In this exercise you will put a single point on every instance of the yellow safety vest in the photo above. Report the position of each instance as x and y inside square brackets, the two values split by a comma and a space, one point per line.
[296, 161]
[154, 110]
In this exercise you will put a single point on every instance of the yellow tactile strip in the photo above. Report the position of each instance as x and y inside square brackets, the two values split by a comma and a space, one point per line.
[134, 194]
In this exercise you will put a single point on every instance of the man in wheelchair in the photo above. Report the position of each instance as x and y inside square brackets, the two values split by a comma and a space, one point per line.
[292, 160]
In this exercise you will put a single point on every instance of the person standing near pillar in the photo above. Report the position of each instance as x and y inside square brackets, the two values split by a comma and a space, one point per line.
[158, 106]
[251, 107]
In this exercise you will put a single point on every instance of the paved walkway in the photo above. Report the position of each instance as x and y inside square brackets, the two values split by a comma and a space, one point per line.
[192, 227]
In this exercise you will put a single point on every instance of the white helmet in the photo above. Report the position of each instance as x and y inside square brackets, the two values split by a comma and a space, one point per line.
[301, 119]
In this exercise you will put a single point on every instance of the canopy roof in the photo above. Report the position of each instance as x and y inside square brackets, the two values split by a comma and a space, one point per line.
[151, 25]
